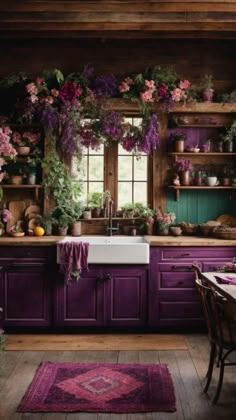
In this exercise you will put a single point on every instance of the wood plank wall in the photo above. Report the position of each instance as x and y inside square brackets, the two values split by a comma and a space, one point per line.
[118, 18]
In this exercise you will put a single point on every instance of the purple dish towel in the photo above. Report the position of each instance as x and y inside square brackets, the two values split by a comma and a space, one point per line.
[226, 279]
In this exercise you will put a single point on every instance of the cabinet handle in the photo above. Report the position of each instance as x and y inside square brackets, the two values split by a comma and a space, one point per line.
[181, 267]
[180, 283]
[107, 277]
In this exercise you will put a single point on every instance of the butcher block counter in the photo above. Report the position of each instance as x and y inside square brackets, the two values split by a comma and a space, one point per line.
[152, 240]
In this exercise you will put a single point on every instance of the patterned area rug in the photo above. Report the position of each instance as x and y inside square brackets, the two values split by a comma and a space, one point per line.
[100, 387]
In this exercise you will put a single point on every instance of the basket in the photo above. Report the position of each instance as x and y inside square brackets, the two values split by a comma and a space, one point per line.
[225, 235]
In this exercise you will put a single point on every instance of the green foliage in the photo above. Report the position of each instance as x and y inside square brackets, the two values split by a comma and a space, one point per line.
[230, 134]
[206, 82]
[52, 76]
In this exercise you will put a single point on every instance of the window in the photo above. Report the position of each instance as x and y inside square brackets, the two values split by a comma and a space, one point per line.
[113, 168]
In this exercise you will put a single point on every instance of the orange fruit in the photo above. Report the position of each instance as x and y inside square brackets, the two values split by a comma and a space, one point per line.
[39, 231]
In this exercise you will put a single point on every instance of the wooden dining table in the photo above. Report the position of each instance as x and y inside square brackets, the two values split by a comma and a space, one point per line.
[227, 290]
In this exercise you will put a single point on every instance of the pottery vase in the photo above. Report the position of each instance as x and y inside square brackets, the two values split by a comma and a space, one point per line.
[149, 228]
[207, 94]
[23, 150]
[185, 178]
[16, 179]
[163, 230]
[76, 229]
[179, 145]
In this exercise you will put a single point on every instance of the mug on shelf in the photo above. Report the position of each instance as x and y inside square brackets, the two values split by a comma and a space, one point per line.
[212, 181]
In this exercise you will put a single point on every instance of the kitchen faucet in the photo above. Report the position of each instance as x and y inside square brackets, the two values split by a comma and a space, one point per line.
[110, 227]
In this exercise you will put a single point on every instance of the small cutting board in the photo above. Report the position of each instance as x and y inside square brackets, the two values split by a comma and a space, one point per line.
[17, 209]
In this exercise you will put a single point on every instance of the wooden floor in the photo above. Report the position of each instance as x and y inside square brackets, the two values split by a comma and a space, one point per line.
[63, 342]
[188, 368]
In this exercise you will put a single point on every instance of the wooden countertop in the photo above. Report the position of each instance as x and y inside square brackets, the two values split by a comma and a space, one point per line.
[152, 240]
[30, 240]
[188, 241]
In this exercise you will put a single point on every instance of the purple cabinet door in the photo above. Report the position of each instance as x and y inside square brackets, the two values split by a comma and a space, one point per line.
[27, 294]
[105, 296]
[126, 296]
[82, 302]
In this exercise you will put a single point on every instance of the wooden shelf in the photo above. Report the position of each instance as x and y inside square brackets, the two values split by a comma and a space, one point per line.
[34, 187]
[196, 187]
[202, 153]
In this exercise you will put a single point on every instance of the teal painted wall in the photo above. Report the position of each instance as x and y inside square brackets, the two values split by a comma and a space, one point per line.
[201, 206]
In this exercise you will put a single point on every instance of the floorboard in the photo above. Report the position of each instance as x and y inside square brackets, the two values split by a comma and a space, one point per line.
[95, 342]
[187, 367]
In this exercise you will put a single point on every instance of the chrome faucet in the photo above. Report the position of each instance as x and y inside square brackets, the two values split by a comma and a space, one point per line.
[110, 227]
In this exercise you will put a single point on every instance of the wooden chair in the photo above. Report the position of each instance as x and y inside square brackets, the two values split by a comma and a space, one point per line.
[221, 330]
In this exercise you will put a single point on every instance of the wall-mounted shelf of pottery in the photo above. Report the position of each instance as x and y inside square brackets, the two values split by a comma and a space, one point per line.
[177, 188]
[34, 187]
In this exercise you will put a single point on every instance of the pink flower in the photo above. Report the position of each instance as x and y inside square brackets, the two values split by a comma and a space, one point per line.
[31, 88]
[147, 96]
[33, 99]
[49, 100]
[128, 80]
[6, 215]
[150, 84]
[178, 95]
[184, 84]
[40, 80]
[124, 87]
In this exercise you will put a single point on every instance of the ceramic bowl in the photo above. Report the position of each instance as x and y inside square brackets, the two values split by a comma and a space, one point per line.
[175, 230]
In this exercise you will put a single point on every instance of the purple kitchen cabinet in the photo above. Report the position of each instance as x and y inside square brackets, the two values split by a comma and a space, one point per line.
[173, 298]
[26, 282]
[104, 296]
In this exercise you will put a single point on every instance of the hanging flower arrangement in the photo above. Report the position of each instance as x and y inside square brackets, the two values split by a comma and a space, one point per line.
[71, 108]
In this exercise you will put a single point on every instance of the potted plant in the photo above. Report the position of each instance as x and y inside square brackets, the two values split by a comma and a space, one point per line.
[229, 138]
[62, 220]
[178, 140]
[128, 210]
[96, 203]
[46, 221]
[206, 85]
[182, 168]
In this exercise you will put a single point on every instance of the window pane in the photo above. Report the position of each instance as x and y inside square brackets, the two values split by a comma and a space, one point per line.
[125, 168]
[140, 169]
[124, 193]
[96, 187]
[96, 164]
[140, 192]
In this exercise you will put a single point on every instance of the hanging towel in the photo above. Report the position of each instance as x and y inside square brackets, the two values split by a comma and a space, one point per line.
[73, 257]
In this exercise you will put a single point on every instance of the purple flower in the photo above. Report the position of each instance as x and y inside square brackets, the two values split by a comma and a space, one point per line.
[182, 165]
[111, 126]
[105, 85]
[150, 140]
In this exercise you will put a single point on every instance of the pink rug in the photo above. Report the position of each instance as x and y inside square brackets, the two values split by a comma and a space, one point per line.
[100, 387]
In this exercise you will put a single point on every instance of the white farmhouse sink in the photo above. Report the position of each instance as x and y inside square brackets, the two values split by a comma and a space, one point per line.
[113, 249]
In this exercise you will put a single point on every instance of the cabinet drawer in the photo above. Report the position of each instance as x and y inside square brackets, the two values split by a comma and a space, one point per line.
[178, 280]
[12, 252]
[180, 310]
[192, 253]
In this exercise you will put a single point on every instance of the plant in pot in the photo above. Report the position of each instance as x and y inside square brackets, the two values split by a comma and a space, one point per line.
[177, 141]
[128, 210]
[96, 203]
[229, 138]
[47, 221]
[61, 219]
[182, 168]
[15, 172]
[206, 85]
[75, 211]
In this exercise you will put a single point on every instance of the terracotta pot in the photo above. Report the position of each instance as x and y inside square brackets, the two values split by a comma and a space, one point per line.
[62, 231]
[16, 179]
[149, 227]
[96, 212]
[179, 145]
[185, 178]
[23, 150]
[163, 230]
[76, 229]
